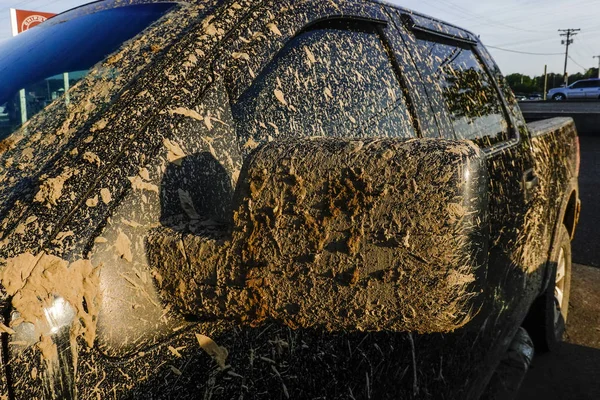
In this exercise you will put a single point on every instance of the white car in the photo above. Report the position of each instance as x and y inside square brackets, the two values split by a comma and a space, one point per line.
[3, 114]
[580, 90]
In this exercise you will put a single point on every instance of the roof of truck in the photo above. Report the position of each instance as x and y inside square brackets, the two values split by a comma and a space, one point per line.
[105, 4]
[413, 12]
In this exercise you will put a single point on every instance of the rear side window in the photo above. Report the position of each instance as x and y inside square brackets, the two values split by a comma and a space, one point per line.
[585, 85]
[326, 82]
[470, 96]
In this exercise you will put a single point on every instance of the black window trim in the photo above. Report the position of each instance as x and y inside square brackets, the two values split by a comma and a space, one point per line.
[515, 139]
[321, 22]
[351, 10]
[412, 23]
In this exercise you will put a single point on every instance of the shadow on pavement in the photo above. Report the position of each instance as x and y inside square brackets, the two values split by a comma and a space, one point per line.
[587, 235]
[569, 373]
[572, 371]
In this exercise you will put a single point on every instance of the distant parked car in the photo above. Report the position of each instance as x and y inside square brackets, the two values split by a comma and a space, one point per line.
[583, 89]
[535, 97]
[520, 97]
[3, 114]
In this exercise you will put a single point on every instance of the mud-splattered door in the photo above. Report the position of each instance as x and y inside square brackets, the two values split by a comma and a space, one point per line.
[462, 89]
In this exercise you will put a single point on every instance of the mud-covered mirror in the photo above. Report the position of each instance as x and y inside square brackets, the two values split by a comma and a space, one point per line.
[325, 234]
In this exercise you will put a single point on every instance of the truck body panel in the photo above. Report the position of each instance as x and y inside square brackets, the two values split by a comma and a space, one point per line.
[224, 181]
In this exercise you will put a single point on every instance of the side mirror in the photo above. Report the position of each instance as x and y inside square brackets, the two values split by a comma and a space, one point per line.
[342, 234]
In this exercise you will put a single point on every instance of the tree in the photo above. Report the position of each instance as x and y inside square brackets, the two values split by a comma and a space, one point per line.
[591, 73]
[520, 83]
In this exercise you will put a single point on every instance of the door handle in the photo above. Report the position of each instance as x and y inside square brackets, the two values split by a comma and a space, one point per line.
[530, 179]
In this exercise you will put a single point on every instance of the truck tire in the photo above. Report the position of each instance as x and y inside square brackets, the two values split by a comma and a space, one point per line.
[548, 314]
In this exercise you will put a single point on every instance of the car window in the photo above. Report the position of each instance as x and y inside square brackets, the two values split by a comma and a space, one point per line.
[41, 64]
[578, 85]
[590, 84]
[468, 92]
[326, 82]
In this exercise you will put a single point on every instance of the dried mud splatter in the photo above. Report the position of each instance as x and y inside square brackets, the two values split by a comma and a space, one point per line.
[35, 282]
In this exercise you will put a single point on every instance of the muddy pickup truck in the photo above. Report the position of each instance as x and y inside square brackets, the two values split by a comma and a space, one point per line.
[272, 199]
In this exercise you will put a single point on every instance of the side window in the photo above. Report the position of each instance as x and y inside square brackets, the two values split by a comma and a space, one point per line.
[578, 85]
[333, 81]
[470, 96]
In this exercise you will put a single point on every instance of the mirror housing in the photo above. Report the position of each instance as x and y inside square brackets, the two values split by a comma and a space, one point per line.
[341, 234]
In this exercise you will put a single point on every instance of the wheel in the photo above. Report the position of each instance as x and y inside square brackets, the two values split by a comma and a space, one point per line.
[548, 314]
[559, 97]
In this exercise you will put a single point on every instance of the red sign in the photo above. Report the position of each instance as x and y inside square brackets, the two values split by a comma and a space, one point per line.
[23, 20]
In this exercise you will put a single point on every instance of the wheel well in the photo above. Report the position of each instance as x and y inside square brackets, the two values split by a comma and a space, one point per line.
[569, 219]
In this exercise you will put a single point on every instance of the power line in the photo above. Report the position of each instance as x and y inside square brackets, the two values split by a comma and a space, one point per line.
[490, 21]
[580, 66]
[525, 42]
[524, 52]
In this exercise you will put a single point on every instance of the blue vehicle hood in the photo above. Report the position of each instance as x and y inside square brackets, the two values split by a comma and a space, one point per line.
[72, 41]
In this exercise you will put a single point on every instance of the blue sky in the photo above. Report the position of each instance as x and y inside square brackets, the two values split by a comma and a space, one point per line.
[529, 26]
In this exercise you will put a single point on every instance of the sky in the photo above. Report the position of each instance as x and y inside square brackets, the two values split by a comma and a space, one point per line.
[520, 26]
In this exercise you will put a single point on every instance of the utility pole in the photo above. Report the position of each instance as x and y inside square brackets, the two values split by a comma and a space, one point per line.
[598, 57]
[568, 33]
[545, 82]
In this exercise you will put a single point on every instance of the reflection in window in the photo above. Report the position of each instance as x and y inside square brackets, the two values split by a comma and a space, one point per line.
[470, 96]
[33, 63]
[34, 98]
[326, 82]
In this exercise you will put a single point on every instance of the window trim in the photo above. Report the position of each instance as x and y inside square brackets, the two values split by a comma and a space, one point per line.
[320, 23]
[417, 23]
[289, 25]
[514, 136]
